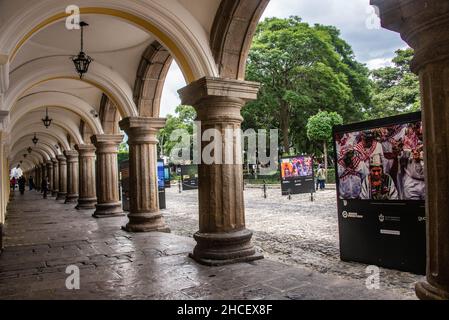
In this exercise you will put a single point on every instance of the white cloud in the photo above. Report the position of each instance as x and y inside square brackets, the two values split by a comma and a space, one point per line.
[170, 98]
[354, 18]
[379, 63]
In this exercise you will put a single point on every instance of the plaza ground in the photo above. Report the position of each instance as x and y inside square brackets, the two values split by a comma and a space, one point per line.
[296, 232]
[297, 237]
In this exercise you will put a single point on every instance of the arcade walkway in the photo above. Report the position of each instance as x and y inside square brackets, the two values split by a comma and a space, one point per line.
[43, 237]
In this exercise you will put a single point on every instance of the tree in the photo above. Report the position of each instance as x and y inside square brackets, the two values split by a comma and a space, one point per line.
[184, 119]
[319, 129]
[302, 69]
[123, 152]
[396, 88]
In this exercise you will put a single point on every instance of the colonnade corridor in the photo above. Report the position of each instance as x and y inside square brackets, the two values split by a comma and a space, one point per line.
[43, 237]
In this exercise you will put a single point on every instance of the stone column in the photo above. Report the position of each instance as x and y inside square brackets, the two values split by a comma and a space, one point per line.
[72, 176]
[55, 183]
[62, 161]
[434, 78]
[50, 177]
[108, 202]
[44, 173]
[38, 178]
[144, 213]
[87, 194]
[424, 26]
[223, 237]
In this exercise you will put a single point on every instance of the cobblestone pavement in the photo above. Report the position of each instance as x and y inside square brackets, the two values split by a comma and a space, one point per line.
[44, 237]
[296, 232]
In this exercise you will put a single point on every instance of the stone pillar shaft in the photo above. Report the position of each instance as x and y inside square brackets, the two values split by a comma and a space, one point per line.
[108, 202]
[44, 171]
[222, 238]
[37, 178]
[62, 194]
[434, 80]
[87, 194]
[55, 189]
[50, 176]
[72, 176]
[144, 213]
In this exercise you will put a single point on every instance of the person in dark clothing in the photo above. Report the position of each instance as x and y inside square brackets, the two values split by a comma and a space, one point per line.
[22, 182]
[31, 182]
[13, 183]
[45, 187]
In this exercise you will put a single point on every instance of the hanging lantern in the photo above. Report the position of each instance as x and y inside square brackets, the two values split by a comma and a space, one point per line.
[82, 60]
[47, 121]
[30, 150]
[35, 140]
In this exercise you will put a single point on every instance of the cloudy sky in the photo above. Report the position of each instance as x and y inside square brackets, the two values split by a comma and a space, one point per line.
[356, 20]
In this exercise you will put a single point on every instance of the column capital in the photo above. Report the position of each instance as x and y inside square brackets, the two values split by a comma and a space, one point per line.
[61, 158]
[85, 150]
[49, 162]
[54, 160]
[107, 139]
[422, 24]
[142, 129]
[71, 155]
[208, 87]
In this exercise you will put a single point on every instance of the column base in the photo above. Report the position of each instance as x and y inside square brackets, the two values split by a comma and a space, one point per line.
[426, 291]
[86, 204]
[71, 198]
[108, 210]
[146, 222]
[217, 249]
[55, 193]
[61, 196]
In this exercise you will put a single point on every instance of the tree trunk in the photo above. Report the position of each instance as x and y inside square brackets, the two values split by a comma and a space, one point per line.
[285, 126]
[325, 155]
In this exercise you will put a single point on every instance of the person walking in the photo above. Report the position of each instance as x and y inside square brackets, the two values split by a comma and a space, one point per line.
[22, 182]
[31, 183]
[45, 187]
[321, 177]
[13, 183]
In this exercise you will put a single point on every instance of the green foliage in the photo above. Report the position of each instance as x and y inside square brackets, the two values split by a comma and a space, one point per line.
[303, 69]
[319, 126]
[395, 89]
[183, 120]
[123, 152]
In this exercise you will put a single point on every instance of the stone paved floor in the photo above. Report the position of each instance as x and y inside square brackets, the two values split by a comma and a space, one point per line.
[296, 232]
[43, 237]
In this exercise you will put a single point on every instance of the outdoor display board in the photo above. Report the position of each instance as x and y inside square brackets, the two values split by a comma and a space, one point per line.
[381, 192]
[189, 176]
[161, 184]
[297, 175]
[167, 177]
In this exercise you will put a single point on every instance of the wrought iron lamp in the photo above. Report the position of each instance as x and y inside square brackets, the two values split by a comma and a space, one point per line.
[35, 139]
[47, 121]
[30, 150]
[82, 60]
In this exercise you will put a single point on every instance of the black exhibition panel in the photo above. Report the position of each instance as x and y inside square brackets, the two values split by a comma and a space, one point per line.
[297, 175]
[382, 220]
